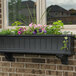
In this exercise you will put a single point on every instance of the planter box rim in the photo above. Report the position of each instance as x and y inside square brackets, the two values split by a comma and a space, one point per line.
[48, 35]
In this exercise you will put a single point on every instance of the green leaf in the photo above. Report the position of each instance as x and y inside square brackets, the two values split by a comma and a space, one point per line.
[65, 38]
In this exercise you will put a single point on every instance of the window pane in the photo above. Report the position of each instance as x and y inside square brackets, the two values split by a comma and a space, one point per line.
[64, 10]
[22, 10]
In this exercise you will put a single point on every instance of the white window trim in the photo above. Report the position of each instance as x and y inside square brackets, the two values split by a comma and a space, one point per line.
[1, 15]
[5, 14]
[41, 7]
[41, 16]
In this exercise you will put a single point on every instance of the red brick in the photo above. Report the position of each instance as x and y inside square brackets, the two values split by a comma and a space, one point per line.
[5, 64]
[3, 74]
[68, 68]
[54, 73]
[54, 61]
[24, 59]
[69, 74]
[12, 74]
[37, 66]
[8, 69]
[21, 65]
[45, 66]
[33, 71]
[38, 60]
[72, 62]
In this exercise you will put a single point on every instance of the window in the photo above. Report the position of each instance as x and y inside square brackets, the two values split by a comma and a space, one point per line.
[22, 10]
[64, 10]
[42, 12]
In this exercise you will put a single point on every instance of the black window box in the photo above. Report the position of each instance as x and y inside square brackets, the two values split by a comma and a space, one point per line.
[37, 44]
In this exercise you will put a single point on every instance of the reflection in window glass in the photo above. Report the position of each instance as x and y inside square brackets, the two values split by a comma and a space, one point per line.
[64, 10]
[22, 10]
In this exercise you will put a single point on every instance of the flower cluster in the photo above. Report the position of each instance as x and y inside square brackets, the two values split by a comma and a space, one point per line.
[33, 29]
[21, 30]
[36, 29]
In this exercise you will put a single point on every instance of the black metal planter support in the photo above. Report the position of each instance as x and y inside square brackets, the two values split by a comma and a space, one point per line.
[34, 44]
[9, 57]
[63, 58]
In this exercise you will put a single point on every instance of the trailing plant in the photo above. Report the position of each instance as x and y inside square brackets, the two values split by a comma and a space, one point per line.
[65, 43]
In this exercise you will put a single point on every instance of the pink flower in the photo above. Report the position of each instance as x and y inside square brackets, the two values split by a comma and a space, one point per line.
[35, 26]
[45, 25]
[39, 25]
[30, 25]
[24, 29]
[19, 32]
[43, 29]
[21, 29]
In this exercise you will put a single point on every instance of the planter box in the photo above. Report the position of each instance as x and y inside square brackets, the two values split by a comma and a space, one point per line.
[37, 44]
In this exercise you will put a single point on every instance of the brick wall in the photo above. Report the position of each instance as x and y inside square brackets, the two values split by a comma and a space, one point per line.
[36, 65]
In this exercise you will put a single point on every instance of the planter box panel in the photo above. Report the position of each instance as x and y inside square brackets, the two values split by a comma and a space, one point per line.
[54, 43]
[49, 46]
[43, 45]
[38, 45]
[32, 44]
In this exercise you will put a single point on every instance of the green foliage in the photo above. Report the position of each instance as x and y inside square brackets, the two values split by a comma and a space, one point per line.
[15, 31]
[17, 23]
[65, 43]
[55, 28]
[5, 32]
[35, 29]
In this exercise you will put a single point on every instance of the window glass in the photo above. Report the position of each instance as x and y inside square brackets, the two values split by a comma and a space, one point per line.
[64, 10]
[22, 10]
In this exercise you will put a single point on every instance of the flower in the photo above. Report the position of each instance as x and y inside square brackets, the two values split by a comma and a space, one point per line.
[45, 25]
[39, 25]
[24, 29]
[40, 30]
[21, 29]
[30, 25]
[35, 26]
[45, 31]
[35, 31]
[19, 32]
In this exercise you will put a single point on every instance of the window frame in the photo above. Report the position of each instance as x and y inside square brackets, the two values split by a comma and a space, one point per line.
[5, 14]
[1, 15]
[41, 8]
